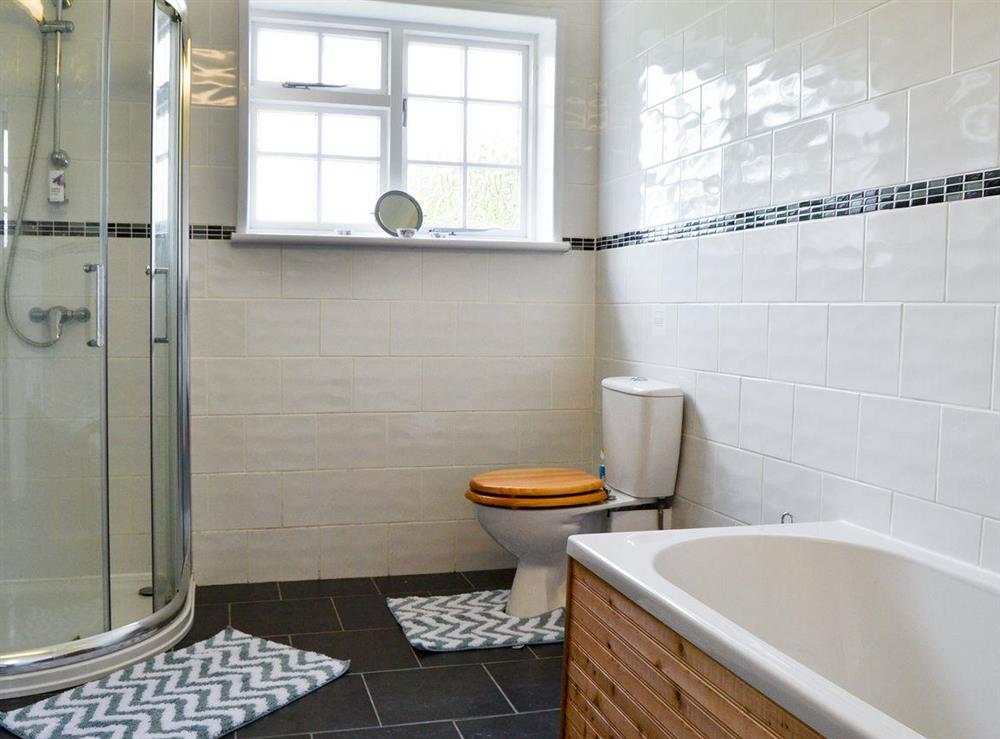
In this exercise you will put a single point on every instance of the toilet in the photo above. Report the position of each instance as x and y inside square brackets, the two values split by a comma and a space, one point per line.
[532, 512]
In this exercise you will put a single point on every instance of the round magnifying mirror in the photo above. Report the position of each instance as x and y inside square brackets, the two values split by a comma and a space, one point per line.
[397, 210]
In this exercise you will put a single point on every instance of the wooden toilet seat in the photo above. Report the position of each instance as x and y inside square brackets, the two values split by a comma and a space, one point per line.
[536, 487]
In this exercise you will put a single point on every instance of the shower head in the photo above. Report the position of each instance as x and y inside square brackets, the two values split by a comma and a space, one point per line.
[34, 8]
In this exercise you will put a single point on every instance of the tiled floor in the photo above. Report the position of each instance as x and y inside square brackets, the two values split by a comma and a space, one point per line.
[391, 691]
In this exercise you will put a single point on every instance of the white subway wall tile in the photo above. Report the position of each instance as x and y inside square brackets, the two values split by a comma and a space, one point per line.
[720, 268]
[831, 260]
[924, 523]
[769, 264]
[863, 505]
[910, 43]
[825, 433]
[698, 336]
[774, 90]
[802, 161]
[905, 254]
[974, 251]
[864, 348]
[976, 34]
[766, 417]
[746, 166]
[869, 143]
[898, 443]
[970, 461]
[796, 343]
[835, 67]
[743, 339]
[789, 488]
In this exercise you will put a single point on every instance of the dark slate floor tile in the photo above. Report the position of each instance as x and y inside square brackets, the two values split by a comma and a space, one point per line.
[490, 579]
[530, 686]
[285, 616]
[343, 704]
[438, 730]
[437, 583]
[542, 725]
[238, 593]
[407, 696]
[326, 588]
[364, 612]
[371, 649]
[547, 650]
[472, 656]
[209, 620]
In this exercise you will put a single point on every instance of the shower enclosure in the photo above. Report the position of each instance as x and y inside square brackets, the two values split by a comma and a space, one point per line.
[95, 535]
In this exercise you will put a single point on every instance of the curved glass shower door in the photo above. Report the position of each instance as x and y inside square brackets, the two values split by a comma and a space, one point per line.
[54, 583]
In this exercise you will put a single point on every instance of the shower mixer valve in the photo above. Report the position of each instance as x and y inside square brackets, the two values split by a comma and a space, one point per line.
[56, 316]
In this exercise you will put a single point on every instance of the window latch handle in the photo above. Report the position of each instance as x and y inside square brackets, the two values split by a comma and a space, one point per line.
[405, 100]
[307, 85]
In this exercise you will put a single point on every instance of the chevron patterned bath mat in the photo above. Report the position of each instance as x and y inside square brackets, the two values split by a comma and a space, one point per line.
[200, 692]
[452, 623]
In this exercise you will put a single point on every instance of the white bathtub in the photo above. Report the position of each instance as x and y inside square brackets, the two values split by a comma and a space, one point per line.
[857, 634]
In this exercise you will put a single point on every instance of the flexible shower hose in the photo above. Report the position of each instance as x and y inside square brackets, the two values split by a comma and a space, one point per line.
[25, 191]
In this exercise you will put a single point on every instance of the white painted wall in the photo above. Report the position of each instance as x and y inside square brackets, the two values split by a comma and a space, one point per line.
[837, 369]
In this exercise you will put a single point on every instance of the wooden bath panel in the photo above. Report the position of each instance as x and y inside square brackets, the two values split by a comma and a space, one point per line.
[628, 676]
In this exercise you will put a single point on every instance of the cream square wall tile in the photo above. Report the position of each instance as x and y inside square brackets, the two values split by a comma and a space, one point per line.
[475, 550]
[796, 19]
[769, 264]
[724, 109]
[864, 348]
[542, 278]
[353, 551]
[792, 489]
[948, 353]
[696, 474]
[217, 444]
[490, 329]
[743, 339]
[316, 384]
[681, 127]
[558, 329]
[450, 275]
[973, 251]
[486, 439]
[386, 384]
[679, 278]
[990, 557]
[386, 274]
[831, 260]
[419, 439]
[283, 554]
[243, 385]
[416, 548]
[898, 443]
[422, 328]
[869, 143]
[835, 67]
[738, 487]
[218, 328]
[704, 50]
[281, 442]
[796, 343]
[766, 418]
[242, 501]
[923, 523]
[717, 405]
[698, 336]
[976, 34]
[355, 328]
[746, 181]
[243, 273]
[222, 556]
[316, 273]
[863, 505]
[774, 90]
[905, 254]
[282, 328]
[970, 461]
[701, 184]
[749, 31]
[802, 161]
[665, 70]
[346, 440]
[910, 43]
[825, 433]
[720, 268]
[953, 124]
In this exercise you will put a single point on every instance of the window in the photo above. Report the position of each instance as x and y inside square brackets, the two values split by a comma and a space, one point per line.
[340, 110]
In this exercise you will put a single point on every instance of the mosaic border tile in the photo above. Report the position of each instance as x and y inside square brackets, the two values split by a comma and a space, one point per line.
[978, 184]
[116, 230]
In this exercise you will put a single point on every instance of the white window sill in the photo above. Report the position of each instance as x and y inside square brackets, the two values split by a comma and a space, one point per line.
[417, 242]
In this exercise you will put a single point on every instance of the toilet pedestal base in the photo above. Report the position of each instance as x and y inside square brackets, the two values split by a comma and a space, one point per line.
[539, 586]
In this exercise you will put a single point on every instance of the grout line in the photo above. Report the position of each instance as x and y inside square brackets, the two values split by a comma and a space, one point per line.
[509, 703]
[370, 699]
[458, 730]
[336, 614]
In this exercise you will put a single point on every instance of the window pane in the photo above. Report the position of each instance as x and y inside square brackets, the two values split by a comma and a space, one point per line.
[350, 190]
[287, 56]
[434, 131]
[434, 69]
[286, 132]
[355, 61]
[495, 74]
[352, 135]
[494, 198]
[438, 189]
[286, 189]
[494, 133]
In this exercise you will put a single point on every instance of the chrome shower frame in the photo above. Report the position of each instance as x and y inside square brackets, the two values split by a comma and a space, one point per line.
[62, 665]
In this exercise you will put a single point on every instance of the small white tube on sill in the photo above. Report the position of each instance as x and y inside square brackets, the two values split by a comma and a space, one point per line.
[417, 242]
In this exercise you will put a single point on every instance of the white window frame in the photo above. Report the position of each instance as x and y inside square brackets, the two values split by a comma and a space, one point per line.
[389, 103]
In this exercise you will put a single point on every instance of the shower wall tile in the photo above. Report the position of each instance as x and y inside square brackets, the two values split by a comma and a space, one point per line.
[910, 43]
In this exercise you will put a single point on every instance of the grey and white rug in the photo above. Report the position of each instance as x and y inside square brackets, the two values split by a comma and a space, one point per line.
[200, 692]
[452, 623]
